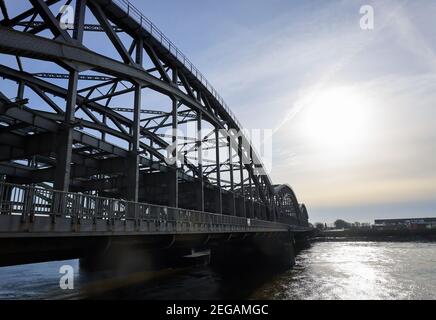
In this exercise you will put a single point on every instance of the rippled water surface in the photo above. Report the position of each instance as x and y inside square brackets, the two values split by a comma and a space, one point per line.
[358, 270]
[327, 270]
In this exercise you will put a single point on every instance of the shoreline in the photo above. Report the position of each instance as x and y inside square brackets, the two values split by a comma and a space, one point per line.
[372, 239]
[428, 235]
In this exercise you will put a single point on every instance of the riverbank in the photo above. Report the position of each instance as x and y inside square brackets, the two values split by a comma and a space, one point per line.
[376, 235]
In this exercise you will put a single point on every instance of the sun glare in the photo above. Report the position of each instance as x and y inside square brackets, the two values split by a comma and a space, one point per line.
[336, 119]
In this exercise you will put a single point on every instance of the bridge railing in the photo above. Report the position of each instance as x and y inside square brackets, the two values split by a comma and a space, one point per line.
[31, 202]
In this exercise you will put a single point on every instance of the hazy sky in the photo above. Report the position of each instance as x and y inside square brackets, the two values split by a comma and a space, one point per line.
[353, 111]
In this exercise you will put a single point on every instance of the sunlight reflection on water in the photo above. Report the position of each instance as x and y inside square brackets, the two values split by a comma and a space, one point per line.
[359, 270]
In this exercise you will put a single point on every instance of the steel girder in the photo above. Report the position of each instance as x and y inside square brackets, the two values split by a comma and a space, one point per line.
[78, 156]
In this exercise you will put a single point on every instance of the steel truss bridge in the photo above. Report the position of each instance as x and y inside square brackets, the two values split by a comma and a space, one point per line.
[91, 112]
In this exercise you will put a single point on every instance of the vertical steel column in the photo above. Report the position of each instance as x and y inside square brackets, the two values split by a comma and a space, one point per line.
[232, 182]
[271, 213]
[173, 192]
[151, 157]
[241, 172]
[279, 207]
[283, 205]
[297, 209]
[219, 201]
[257, 191]
[276, 213]
[133, 167]
[103, 134]
[79, 20]
[200, 190]
[20, 91]
[250, 181]
[65, 140]
[262, 189]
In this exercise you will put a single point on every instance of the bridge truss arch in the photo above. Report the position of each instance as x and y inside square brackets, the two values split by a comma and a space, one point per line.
[108, 119]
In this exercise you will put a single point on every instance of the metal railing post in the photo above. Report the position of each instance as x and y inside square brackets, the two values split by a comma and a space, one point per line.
[27, 214]
[2, 196]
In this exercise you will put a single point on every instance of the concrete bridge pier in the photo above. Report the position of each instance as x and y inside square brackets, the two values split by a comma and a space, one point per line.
[260, 252]
[124, 255]
[132, 254]
[301, 242]
[229, 251]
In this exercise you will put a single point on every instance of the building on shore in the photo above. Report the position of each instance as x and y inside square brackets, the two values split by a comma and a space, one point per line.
[411, 224]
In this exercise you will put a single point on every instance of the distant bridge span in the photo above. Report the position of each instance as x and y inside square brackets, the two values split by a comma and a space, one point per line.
[83, 153]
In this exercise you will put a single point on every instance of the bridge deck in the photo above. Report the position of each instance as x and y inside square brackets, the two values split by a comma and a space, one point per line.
[34, 211]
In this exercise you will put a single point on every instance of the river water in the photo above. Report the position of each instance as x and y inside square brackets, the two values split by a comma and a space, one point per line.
[326, 270]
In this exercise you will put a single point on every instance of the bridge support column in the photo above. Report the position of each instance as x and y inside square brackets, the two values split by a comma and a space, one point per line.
[233, 204]
[130, 254]
[65, 140]
[264, 251]
[5, 197]
[65, 137]
[219, 196]
[133, 161]
[173, 184]
[200, 188]
[242, 210]
[239, 206]
[246, 208]
[200, 196]
[173, 188]
[301, 242]
[124, 255]
[250, 207]
[232, 178]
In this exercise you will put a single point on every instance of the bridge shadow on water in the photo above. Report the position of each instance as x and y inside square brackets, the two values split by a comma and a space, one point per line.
[194, 279]
[196, 282]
